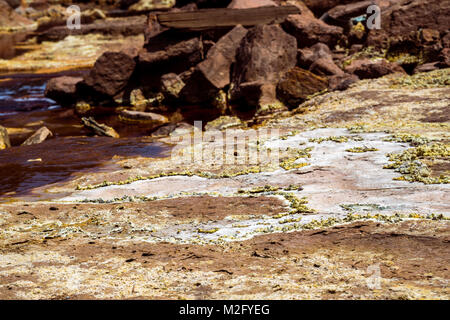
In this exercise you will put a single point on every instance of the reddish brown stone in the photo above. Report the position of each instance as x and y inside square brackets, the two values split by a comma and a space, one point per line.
[297, 85]
[341, 82]
[216, 67]
[404, 18]
[367, 69]
[444, 58]
[62, 89]
[308, 30]
[176, 55]
[265, 54]
[111, 72]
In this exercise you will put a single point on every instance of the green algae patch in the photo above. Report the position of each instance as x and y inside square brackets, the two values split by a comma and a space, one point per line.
[266, 188]
[413, 139]
[289, 163]
[370, 53]
[208, 175]
[337, 139]
[362, 207]
[291, 220]
[361, 149]
[433, 79]
[359, 128]
[411, 163]
[214, 230]
[297, 205]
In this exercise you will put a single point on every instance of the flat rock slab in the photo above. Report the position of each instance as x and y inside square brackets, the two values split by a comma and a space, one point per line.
[214, 18]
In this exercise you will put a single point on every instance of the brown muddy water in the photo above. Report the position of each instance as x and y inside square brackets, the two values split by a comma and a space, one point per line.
[24, 109]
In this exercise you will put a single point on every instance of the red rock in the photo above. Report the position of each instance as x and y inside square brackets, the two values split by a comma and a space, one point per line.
[321, 62]
[297, 85]
[308, 30]
[427, 67]
[257, 94]
[430, 35]
[216, 67]
[325, 67]
[265, 54]
[196, 89]
[111, 72]
[341, 14]
[341, 82]
[153, 28]
[174, 56]
[62, 89]
[305, 58]
[446, 40]
[367, 69]
[444, 58]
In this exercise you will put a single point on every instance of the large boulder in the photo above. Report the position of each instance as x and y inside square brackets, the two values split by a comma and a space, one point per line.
[176, 55]
[216, 67]
[265, 54]
[212, 74]
[308, 30]
[4, 138]
[371, 69]
[297, 85]
[62, 89]
[111, 72]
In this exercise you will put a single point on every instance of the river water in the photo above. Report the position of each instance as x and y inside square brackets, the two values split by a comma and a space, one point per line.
[71, 151]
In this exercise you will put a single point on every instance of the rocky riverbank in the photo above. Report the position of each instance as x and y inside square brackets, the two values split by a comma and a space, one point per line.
[137, 202]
